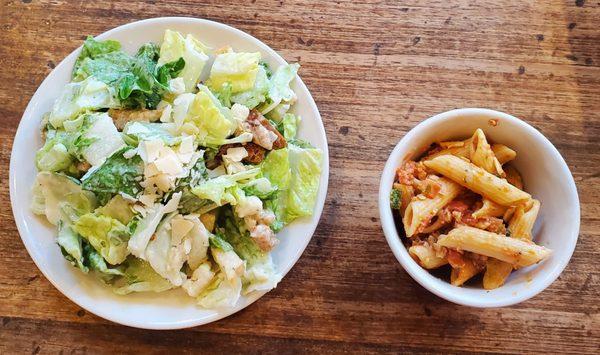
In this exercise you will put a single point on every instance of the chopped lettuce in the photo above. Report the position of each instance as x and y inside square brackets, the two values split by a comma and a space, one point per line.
[261, 188]
[256, 95]
[117, 175]
[260, 273]
[276, 168]
[217, 189]
[101, 139]
[305, 166]
[279, 87]
[207, 118]
[147, 225]
[221, 292]
[54, 156]
[70, 245]
[78, 97]
[60, 197]
[117, 208]
[147, 131]
[193, 52]
[96, 263]
[237, 69]
[290, 124]
[138, 81]
[140, 277]
[107, 235]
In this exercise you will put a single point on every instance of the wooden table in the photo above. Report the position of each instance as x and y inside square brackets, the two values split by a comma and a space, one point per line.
[375, 68]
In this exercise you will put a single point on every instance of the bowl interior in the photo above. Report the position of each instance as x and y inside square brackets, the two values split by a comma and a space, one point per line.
[546, 177]
[172, 309]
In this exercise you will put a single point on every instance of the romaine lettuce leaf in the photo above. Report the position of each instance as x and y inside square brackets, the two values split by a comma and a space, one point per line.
[256, 95]
[140, 277]
[78, 97]
[101, 139]
[207, 118]
[60, 197]
[217, 189]
[221, 293]
[276, 168]
[147, 131]
[107, 235]
[260, 271]
[193, 52]
[305, 166]
[117, 208]
[279, 87]
[70, 245]
[238, 69]
[96, 263]
[117, 175]
[290, 124]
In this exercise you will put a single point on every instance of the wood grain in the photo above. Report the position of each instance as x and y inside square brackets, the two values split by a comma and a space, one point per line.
[375, 68]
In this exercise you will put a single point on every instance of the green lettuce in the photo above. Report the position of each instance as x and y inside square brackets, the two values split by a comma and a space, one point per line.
[96, 263]
[71, 246]
[117, 175]
[192, 51]
[140, 277]
[218, 189]
[237, 69]
[257, 94]
[207, 118]
[276, 168]
[279, 87]
[138, 81]
[117, 208]
[60, 197]
[146, 131]
[78, 97]
[290, 124]
[305, 166]
[260, 271]
[107, 235]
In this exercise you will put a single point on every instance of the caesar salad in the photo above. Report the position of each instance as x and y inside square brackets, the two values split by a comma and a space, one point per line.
[175, 167]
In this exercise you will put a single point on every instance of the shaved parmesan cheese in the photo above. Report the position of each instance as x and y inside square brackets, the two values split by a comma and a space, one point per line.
[179, 228]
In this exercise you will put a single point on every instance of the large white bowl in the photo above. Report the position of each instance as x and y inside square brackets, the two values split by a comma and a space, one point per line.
[545, 175]
[172, 309]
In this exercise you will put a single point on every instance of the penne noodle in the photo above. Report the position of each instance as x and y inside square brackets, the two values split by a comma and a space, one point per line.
[452, 144]
[421, 209]
[406, 195]
[481, 154]
[462, 151]
[459, 276]
[490, 209]
[496, 272]
[511, 250]
[522, 221]
[513, 177]
[503, 153]
[426, 256]
[478, 180]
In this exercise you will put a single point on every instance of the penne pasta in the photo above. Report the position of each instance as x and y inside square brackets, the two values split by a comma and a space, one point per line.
[478, 180]
[481, 154]
[459, 276]
[426, 256]
[461, 151]
[511, 250]
[496, 272]
[490, 209]
[513, 177]
[522, 221]
[421, 209]
[503, 153]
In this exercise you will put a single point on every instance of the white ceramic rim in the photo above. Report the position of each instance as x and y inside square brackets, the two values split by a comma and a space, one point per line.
[422, 276]
[20, 217]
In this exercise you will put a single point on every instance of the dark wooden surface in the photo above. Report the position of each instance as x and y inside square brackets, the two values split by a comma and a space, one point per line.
[375, 69]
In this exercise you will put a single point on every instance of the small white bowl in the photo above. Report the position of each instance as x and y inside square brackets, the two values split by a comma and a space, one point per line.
[172, 309]
[545, 175]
